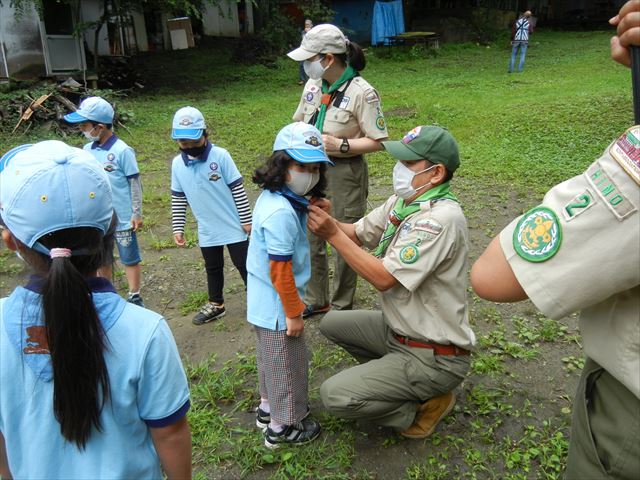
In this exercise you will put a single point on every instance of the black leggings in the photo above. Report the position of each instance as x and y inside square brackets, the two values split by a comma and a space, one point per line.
[214, 265]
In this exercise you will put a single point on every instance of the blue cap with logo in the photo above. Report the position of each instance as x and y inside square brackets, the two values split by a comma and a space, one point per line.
[51, 186]
[92, 109]
[188, 124]
[303, 142]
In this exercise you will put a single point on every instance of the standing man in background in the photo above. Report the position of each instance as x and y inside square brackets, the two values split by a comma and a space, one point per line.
[520, 40]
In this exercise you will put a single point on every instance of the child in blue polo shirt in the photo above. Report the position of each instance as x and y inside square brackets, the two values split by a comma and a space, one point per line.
[205, 177]
[92, 386]
[95, 120]
[279, 268]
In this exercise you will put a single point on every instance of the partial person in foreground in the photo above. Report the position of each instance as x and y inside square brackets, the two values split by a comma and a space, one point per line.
[580, 250]
[94, 118]
[92, 386]
[415, 352]
[279, 269]
[205, 177]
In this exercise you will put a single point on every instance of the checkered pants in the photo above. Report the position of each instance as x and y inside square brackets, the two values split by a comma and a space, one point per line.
[283, 372]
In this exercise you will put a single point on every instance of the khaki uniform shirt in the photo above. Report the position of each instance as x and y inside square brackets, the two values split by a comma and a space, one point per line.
[358, 115]
[428, 257]
[588, 257]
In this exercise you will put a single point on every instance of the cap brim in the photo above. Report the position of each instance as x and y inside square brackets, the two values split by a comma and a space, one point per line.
[400, 151]
[75, 117]
[186, 134]
[300, 54]
[308, 156]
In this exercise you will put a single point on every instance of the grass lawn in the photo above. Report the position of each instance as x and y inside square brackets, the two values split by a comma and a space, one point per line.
[519, 134]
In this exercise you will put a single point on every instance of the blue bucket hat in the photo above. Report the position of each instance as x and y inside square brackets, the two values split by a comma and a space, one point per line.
[303, 142]
[51, 186]
[92, 109]
[188, 124]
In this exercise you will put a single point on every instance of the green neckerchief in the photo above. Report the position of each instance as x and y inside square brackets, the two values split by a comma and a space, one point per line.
[401, 211]
[327, 90]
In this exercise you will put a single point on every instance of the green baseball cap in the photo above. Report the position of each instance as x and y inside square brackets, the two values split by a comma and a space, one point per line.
[426, 142]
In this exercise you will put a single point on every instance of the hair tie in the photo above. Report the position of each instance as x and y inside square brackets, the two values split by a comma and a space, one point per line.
[60, 253]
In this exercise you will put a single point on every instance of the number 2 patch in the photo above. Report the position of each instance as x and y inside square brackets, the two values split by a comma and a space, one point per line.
[578, 204]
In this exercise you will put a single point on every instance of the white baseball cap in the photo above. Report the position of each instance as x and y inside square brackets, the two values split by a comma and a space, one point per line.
[92, 109]
[323, 38]
[303, 142]
[188, 124]
[50, 186]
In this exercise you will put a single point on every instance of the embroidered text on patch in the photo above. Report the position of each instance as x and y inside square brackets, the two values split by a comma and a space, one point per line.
[538, 235]
[626, 151]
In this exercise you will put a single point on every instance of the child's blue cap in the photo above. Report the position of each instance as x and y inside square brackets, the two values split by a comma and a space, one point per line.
[303, 142]
[51, 186]
[4, 160]
[92, 109]
[188, 124]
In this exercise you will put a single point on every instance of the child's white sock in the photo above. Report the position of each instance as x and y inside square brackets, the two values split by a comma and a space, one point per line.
[264, 405]
[276, 427]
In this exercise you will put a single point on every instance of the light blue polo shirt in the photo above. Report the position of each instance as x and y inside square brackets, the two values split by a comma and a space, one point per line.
[206, 182]
[119, 161]
[279, 232]
[148, 389]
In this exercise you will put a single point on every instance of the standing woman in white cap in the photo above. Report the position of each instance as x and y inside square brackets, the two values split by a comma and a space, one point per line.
[346, 109]
[92, 386]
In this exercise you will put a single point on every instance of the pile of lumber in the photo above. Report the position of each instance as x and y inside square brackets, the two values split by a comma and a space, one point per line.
[42, 107]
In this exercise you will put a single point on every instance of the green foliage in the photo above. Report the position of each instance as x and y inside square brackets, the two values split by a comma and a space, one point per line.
[193, 302]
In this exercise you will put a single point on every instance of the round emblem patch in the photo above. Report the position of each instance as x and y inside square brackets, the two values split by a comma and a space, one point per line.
[213, 166]
[111, 157]
[538, 235]
[380, 123]
[409, 254]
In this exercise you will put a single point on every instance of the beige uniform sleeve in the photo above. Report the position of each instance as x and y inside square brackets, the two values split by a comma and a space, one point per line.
[595, 226]
[424, 242]
[370, 228]
[370, 116]
[309, 101]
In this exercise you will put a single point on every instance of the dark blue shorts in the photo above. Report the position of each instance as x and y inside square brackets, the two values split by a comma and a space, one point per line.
[128, 249]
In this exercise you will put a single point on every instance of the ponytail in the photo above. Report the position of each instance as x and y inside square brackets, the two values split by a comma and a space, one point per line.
[354, 56]
[74, 332]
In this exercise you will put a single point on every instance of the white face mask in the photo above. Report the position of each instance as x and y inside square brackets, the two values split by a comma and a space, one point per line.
[314, 70]
[302, 182]
[90, 137]
[402, 179]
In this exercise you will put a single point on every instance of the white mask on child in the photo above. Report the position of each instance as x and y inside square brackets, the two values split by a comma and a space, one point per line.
[90, 137]
[302, 182]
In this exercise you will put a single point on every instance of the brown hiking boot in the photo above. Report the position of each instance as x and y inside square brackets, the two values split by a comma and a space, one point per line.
[429, 415]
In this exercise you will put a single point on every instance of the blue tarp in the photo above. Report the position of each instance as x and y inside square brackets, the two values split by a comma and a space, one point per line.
[388, 21]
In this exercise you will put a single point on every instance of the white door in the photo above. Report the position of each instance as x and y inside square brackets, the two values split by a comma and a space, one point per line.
[64, 51]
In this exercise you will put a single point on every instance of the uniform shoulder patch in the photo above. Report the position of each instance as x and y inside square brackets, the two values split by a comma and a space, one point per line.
[429, 225]
[372, 96]
[380, 122]
[626, 151]
[409, 254]
[538, 235]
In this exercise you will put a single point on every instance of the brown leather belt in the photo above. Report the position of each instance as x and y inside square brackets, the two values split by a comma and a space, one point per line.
[437, 348]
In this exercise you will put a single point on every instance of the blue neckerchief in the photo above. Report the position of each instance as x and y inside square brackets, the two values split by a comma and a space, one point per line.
[24, 322]
[203, 156]
[106, 145]
[298, 202]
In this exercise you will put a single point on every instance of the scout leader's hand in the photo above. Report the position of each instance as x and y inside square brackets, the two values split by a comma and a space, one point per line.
[627, 22]
[295, 326]
[331, 144]
[179, 240]
[322, 203]
[136, 223]
[321, 223]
